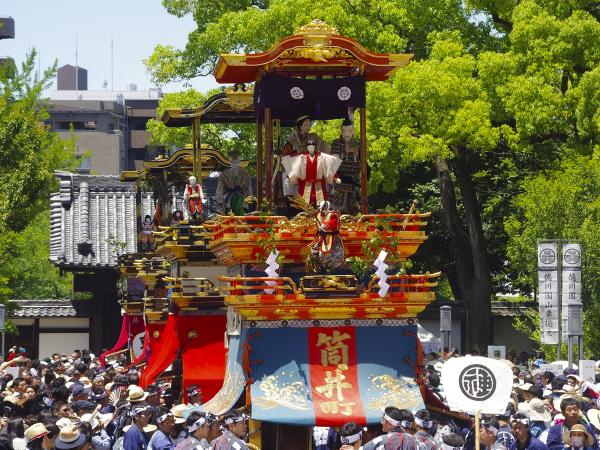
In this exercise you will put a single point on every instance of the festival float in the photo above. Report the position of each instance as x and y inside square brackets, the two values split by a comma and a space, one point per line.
[247, 287]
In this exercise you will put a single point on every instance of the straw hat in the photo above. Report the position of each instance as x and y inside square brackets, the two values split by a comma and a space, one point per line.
[150, 428]
[91, 420]
[537, 411]
[63, 422]
[523, 387]
[588, 442]
[557, 401]
[69, 437]
[35, 431]
[178, 411]
[136, 394]
[594, 417]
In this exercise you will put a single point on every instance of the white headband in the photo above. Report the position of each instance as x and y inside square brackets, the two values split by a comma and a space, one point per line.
[491, 428]
[423, 423]
[405, 423]
[391, 421]
[522, 420]
[164, 417]
[235, 419]
[197, 424]
[449, 447]
[352, 438]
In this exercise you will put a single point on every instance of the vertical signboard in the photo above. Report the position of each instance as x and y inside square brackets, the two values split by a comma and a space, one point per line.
[571, 280]
[548, 294]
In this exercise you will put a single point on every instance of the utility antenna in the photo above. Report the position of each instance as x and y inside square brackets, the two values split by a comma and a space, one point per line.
[112, 68]
[76, 66]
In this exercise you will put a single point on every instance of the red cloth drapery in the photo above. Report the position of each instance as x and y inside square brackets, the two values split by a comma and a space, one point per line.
[204, 355]
[121, 340]
[163, 350]
[130, 327]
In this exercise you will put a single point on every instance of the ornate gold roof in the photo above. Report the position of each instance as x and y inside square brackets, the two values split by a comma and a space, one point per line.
[317, 27]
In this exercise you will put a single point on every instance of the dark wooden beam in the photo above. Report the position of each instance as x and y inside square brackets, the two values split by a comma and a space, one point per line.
[269, 154]
[364, 209]
[259, 162]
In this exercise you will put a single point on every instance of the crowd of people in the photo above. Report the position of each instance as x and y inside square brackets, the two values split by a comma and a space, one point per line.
[74, 403]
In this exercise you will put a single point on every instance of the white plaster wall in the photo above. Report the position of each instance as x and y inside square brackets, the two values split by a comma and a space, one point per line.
[62, 343]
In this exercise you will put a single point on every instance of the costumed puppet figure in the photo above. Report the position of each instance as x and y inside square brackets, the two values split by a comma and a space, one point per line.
[233, 187]
[312, 171]
[296, 144]
[328, 247]
[147, 235]
[347, 195]
[192, 200]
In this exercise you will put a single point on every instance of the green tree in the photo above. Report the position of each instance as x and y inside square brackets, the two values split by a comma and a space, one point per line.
[498, 93]
[29, 152]
[25, 268]
[29, 155]
[561, 204]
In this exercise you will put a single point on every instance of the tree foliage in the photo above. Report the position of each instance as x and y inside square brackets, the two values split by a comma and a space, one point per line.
[25, 268]
[29, 152]
[561, 204]
[501, 102]
[29, 155]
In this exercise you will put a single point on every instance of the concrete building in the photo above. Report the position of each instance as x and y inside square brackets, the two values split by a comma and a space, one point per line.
[7, 28]
[110, 126]
[71, 78]
[7, 31]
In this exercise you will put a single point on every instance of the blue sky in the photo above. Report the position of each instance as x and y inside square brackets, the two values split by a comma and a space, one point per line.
[136, 26]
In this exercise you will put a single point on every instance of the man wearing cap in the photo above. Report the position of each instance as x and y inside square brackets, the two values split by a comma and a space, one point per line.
[35, 432]
[161, 439]
[70, 438]
[523, 439]
[488, 432]
[578, 437]
[394, 423]
[80, 393]
[194, 396]
[424, 424]
[199, 430]
[236, 428]
[570, 409]
[351, 436]
[100, 439]
[135, 438]
[153, 398]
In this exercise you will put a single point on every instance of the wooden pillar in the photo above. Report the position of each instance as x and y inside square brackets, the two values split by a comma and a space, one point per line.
[199, 154]
[364, 209]
[35, 350]
[269, 154]
[259, 162]
[194, 149]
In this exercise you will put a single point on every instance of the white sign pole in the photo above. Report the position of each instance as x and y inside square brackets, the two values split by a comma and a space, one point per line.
[477, 431]
[549, 293]
[571, 294]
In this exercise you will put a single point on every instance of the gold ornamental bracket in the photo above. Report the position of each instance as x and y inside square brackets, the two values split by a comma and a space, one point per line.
[234, 105]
